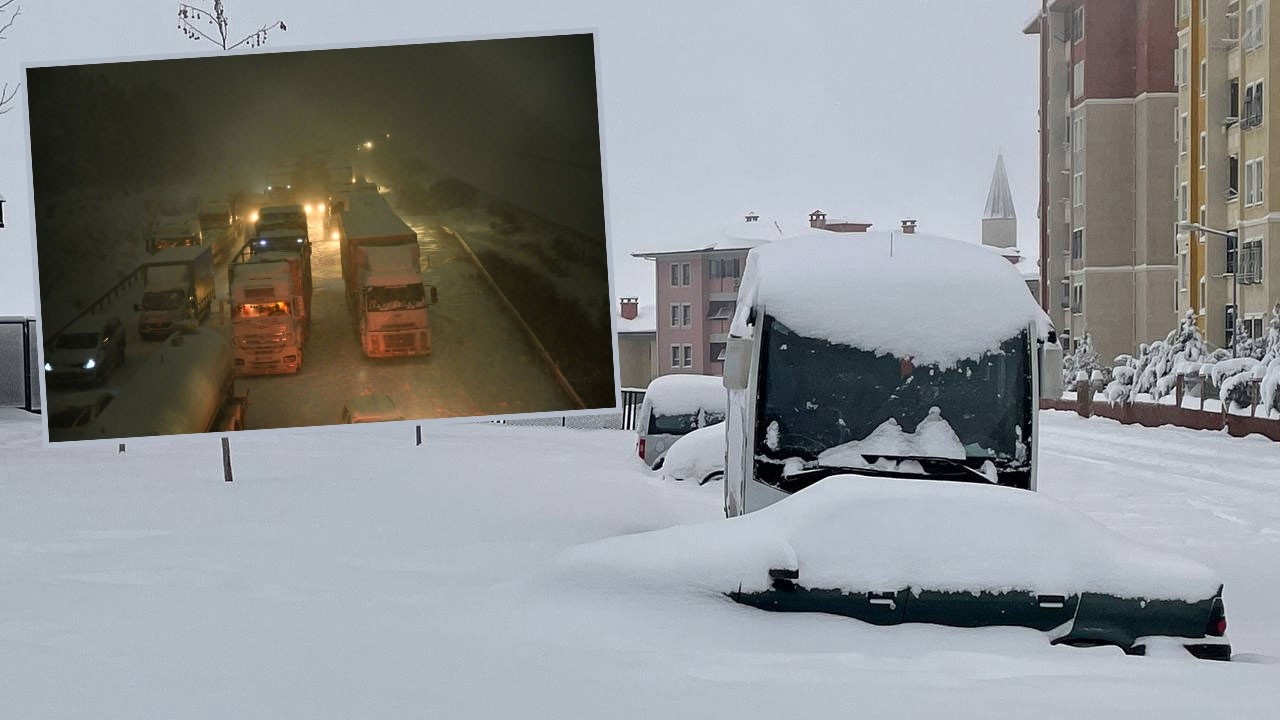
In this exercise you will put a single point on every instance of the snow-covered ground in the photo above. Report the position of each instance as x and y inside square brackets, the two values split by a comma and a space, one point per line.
[347, 573]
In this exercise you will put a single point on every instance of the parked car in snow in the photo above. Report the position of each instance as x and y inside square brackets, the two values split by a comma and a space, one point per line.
[697, 457]
[370, 408]
[979, 556]
[87, 352]
[674, 406]
[71, 411]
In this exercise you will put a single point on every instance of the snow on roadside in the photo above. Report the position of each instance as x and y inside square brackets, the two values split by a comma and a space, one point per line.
[348, 573]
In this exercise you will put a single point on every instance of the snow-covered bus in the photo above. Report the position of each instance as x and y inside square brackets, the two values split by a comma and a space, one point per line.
[884, 354]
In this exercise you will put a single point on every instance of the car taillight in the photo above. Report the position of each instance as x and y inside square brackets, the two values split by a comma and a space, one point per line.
[1217, 619]
[640, 448]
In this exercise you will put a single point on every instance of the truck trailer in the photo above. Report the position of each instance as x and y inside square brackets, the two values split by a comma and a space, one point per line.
[270, 309]
[381, 267]
[186, 386]
[177, 285]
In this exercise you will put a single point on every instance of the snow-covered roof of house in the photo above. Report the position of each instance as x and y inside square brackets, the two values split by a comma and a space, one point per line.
[686, 394]
[999, 197]
[645, 321]
[741, 235]
[935, 299]
[371, 216]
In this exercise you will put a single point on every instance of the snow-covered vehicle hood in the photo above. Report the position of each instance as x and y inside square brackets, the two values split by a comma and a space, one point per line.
[857, 532]
[697, 456]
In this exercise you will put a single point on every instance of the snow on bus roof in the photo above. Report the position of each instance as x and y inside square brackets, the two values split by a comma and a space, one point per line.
[370, 216]
[179, 253]
[685, 394]
[935, 299]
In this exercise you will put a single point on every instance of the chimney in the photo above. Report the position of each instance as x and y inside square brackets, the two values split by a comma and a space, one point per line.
[752, 217]
[817, 219]
[630, 308]
[908, 227]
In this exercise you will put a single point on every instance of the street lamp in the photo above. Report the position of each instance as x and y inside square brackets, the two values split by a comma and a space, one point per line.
[1233, 243]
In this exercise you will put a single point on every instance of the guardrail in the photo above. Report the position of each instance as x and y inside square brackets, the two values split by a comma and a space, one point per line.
[101, 302]
[625, 420]
[524, 327]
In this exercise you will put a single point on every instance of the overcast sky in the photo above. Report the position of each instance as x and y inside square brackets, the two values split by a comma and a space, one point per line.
[871, 110]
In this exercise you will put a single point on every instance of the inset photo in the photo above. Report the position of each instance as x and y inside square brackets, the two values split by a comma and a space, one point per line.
[296, 239]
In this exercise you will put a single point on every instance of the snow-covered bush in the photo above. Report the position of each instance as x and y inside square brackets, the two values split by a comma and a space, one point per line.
[1232, 379]
[1122, 376]
[1081, 364]
[1269, 368]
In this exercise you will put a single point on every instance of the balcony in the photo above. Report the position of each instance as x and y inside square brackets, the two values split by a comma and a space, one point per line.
[722, 297]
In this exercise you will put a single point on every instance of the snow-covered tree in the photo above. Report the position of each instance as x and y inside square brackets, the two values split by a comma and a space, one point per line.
[1081, 364]
[1269, 369]
[193, 21]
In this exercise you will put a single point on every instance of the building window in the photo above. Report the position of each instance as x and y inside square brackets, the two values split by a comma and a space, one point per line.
[687, 351]
[1184, 203]
[1254, 25]
[1077, 189]
[1201, 300]
[1066, 294]
[1184, 9]
[1077, 299]
[1229, 320]
[1204, 77]
[1077, 24]
[1204, 149]
[675, 274]
[1251, 261]
[1182, 269]
[1233, 97]
[1184, 132]
[1231, 254]
[1077, 80]
[1077, 244]
[1233, 177]
[675, 356]
[1077, 134]
[1253, 105]
[684, 274]
[1253, 172]
[724, 268]
[1204, 10]
[675, 315]
[686, 313]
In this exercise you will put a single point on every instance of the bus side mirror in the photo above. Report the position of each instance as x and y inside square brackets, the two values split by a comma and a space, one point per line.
[1050, 370]
[737, 363]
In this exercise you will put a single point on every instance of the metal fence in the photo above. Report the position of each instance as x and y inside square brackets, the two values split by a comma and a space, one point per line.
[611, 420]
[19, 363]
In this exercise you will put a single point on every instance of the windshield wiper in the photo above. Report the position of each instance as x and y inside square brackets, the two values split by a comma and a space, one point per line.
[949, 462]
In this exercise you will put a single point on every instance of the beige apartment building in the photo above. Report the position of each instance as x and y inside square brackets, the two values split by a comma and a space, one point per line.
[1226, 182]
[1108, 161]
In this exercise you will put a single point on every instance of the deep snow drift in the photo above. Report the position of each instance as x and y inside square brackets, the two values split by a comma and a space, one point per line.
[347, 573]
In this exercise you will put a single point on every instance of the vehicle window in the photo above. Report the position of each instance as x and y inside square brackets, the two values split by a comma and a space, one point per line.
[77, 341]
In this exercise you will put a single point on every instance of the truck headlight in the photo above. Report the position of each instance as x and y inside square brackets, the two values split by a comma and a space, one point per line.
[89, 364]
[48, 367]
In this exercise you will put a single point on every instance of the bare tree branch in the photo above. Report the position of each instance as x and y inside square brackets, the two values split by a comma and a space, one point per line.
[6, 97]
[189, 15]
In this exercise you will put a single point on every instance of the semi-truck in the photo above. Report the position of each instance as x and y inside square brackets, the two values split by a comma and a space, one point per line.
[177, 283]
[217, 226]
[893, 355]
[292, 218]
[280, 184]
[186, 386]
[381, 267]
[170, 231]
[270, 309]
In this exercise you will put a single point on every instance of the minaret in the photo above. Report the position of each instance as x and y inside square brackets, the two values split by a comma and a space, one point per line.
[1000, 222]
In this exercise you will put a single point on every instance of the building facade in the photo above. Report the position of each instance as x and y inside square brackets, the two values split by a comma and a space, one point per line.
[637, 344]
[1223, 65]
[697, 290]
[1108, 103]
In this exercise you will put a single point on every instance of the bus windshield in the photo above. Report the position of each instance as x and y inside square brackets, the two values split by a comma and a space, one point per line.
[828, 405]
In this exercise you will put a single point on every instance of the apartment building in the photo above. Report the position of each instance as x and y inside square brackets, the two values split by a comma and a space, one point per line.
[1223, 65]
[1108, 106]
[697, 288]
[637, 343]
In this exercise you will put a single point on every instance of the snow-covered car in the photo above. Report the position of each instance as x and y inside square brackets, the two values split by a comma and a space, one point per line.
[87, 352]
[370, 408]
[674, 406]
[890, 551]
[72, 411]
[697, 457]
